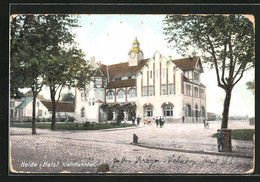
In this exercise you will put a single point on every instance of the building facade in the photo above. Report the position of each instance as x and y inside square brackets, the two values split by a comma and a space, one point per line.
[21, 109]
[148, 88]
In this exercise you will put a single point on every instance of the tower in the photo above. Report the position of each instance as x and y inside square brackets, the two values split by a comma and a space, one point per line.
[135, 54]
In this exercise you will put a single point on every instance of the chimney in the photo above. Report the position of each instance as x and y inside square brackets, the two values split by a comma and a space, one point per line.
[170, 58]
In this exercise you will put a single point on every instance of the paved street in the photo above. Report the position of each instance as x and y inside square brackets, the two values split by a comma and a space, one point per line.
[175, 148]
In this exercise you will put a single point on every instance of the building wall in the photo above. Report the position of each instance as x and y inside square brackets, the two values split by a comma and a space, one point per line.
[158, 73]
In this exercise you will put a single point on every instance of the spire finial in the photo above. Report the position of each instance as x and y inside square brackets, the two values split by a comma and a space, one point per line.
[136, 37]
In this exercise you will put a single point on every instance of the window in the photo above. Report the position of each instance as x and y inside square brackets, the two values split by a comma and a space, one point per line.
[133, 76]
[20, 112]
[110, 94]
[132, 93]
[145, 91]
[196, 91]
[114, 79]
[188, 111]
[188, 90]
[151, 74]
[148, 111]
[203, 112]
[196, 76]
[82, 112]
[40, 113]
[163, 72]
[167, 110]
[171, 89]
[164, 90]
[157, 74]
[151, 90]
[121, 94]
[124, 78]
[93, 102]
[201, 93]
[98, 82]
[12, 104]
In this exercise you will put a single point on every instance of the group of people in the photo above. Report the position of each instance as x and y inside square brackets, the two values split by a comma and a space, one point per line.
[148, 121]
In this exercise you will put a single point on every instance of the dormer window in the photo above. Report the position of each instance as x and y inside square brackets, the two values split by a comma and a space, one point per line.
[124, 78]
[133, 76]
[114, 79]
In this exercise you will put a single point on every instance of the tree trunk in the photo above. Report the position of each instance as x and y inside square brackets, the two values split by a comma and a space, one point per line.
[225, 114]
[53, 121]
[33, 115]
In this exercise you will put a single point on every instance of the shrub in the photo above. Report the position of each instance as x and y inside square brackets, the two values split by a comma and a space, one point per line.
[86, 124]
[62, 119]
[70, 119]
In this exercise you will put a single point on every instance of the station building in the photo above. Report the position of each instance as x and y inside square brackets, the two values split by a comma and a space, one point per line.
[148, 88]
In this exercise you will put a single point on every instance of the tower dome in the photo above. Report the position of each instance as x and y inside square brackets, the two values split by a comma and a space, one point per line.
[135, 54]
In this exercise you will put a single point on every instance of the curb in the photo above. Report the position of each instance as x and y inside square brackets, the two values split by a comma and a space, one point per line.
[229, 154]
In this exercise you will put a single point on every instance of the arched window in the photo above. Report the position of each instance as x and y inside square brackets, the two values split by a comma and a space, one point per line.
[132, 93]
[82, 112]
[148, 111]
[167, 110]
[188, 111]
[110, 94]
[203, 112]
[121, 94]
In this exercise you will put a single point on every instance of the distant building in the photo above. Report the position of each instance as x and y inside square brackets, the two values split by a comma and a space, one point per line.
[153, 87]
[211, 116]
[63, 108]
[21, 109]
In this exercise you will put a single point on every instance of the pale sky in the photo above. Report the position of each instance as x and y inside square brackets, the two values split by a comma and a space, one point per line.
[110, 37]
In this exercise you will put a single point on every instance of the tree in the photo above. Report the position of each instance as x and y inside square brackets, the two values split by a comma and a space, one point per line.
[251, 86]
[68, 97]
[69, 69]
[28, 55]
[226, 43]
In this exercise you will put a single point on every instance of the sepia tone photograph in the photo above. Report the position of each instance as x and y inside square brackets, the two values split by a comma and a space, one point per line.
[132, 94]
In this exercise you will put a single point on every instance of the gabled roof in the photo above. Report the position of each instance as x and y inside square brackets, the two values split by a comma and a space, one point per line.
[25, 102]
[188, 63]
[121, 83]
[62, 106]
[121, 69]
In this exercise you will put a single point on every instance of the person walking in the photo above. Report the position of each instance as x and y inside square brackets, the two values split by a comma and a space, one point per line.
[157, 121]
[160, 121]
[138, 120]
[220, 137]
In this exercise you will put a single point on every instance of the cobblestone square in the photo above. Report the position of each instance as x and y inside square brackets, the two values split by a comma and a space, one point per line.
[175, 148]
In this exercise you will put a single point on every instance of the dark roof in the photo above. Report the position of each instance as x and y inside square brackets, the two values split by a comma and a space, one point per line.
[121, 83]
[62, 106]
[121, 69]
[187, 63]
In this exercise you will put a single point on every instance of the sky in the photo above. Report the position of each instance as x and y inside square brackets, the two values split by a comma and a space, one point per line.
[109, 38]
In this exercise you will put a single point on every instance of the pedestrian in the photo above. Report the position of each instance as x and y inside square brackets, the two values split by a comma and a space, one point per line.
[133, 120]
[157, 121]
[144, 121]
[183, 118]
[149, 122]
[138, 120]
[204, 122]
[163, 121]
[220, 137]
[160, 122]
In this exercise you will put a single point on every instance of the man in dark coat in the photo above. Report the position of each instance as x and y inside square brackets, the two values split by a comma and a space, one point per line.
[220, 137]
